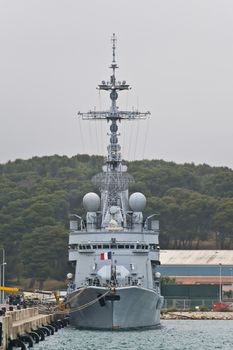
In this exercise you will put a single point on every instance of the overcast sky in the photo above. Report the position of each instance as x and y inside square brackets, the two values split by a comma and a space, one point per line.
[176, 54]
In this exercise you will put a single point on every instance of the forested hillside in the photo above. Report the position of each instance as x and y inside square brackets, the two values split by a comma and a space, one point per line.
[194, 203]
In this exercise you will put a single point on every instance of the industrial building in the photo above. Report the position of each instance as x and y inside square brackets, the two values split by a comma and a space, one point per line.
[198, 266]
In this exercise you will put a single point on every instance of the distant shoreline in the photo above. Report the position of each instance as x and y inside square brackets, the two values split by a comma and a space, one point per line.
[197, 315]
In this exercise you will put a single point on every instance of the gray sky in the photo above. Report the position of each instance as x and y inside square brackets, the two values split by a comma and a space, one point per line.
[176, 54]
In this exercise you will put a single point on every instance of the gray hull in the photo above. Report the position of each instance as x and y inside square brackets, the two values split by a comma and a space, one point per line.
[137, 307]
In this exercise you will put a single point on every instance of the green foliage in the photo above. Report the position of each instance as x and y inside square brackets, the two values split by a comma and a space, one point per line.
[167, 280]
[43, 252]
[194, 204]
[204, 308]
[224, 309]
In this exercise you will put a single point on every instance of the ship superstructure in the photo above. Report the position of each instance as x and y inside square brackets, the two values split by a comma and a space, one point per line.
[115, 249]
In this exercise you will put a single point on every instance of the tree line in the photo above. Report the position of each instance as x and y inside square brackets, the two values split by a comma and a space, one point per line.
[194, 204]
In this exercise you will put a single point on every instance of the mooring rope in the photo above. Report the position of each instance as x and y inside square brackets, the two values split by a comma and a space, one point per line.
[79, 308]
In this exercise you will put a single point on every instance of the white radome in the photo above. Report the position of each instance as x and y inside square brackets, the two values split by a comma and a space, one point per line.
[137, 201]
[69, 276]
[91, 202]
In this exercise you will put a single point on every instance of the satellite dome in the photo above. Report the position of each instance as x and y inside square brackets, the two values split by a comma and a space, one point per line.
[91, 201]
[137, 201]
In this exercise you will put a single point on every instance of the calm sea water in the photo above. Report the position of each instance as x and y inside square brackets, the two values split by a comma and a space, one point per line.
[174, 335]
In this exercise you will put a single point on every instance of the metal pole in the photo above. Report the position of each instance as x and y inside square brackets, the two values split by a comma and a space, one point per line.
[231, 283]
[1, 282]
[3, 273]
[220, 282]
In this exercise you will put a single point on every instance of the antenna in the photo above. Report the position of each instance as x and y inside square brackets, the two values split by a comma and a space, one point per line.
[114, 180]
[114, 115]
[114, 40]
[113, 95]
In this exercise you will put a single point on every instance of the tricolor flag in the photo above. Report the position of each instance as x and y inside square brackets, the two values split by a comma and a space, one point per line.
[106, 256]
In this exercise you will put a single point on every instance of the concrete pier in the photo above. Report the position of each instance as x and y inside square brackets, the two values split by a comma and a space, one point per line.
[18, 322]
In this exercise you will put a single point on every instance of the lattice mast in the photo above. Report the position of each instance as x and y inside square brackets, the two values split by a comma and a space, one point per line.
[114, 181]
[114, 114]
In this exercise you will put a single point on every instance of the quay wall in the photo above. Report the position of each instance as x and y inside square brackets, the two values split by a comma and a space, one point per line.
[18, 322]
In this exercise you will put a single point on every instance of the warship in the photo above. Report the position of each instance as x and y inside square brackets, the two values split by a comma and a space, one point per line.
[115, 250]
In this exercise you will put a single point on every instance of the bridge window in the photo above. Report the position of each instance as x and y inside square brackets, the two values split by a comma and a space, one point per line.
[106, 246]
[112, 246]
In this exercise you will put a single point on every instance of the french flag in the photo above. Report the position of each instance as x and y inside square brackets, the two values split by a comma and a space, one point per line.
[106, 256]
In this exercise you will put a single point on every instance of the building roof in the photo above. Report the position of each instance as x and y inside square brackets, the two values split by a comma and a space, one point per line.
[196, 257]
